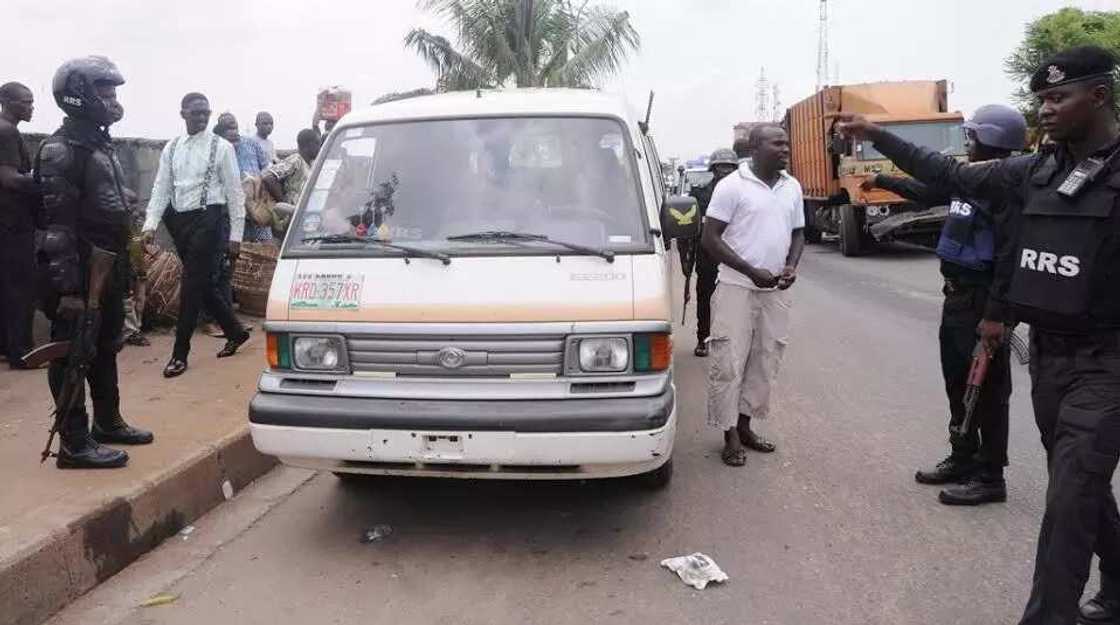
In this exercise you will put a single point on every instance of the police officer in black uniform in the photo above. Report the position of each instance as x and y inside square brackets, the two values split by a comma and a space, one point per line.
[967, 252]
[721, 163]
[84, 205]
[1060, 273]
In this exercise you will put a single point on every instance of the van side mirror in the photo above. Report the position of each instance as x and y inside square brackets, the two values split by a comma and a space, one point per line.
[838, 145]
[680, 217]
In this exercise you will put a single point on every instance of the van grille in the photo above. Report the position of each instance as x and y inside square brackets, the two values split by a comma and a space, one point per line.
[481, 356]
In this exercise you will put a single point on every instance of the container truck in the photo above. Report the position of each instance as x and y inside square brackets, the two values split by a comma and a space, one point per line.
[831, 169]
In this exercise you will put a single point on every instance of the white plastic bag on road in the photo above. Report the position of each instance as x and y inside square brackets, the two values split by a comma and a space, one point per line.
[696, 570]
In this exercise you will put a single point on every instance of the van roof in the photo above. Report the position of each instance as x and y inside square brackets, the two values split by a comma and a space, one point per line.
[494, 103]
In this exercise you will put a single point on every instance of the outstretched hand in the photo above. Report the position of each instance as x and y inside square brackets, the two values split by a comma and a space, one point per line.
[853, 125]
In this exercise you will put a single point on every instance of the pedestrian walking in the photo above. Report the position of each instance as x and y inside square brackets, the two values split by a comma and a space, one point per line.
[967, 251]
[18, 198]
[722, 163]
[197, 193]
[84, 208]
[1058, 274]
[754, 229]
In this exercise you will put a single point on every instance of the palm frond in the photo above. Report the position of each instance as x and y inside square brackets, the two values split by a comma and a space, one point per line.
[453, 70]
[531, 42]
[602, 43]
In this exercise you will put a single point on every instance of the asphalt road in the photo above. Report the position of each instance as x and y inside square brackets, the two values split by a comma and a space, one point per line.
[831, 529]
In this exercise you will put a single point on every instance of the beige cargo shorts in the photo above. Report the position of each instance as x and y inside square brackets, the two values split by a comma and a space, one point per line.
[750, 330]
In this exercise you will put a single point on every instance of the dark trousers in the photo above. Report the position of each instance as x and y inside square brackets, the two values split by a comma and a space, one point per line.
[17, 292]
[102, 372]
[223, 269]
[1076, 395]
[196, 238]
[986, 440]
[707, 270]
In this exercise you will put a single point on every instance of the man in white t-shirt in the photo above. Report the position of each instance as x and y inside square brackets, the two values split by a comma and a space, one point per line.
[754, 229]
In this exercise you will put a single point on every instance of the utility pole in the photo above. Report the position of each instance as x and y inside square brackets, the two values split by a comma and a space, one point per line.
[822, 47]
[762, 110]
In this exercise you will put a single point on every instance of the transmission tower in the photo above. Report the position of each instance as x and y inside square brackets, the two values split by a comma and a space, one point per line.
[822, 47]
[778, 113]
[762, 110]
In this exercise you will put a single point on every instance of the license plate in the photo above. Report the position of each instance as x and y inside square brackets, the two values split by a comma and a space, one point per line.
[441, 446]
[327, 291]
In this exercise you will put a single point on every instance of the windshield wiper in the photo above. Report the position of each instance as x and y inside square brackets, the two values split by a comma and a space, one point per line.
[505, 235]
[350, 238]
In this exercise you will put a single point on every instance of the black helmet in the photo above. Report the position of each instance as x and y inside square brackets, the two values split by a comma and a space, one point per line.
[73, 87]
[723, 156]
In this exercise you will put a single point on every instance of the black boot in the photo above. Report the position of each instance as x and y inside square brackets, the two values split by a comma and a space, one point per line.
[955, 468]
[985, 486]
[122, 434]
[86, 453]
[109, 427]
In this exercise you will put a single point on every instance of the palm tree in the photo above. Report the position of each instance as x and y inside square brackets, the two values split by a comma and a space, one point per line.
[529, 43]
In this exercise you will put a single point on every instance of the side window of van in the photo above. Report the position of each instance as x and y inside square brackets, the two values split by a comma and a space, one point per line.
[653, 161]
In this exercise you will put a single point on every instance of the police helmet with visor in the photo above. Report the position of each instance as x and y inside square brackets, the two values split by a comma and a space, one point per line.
[722, 156]
[75, 88]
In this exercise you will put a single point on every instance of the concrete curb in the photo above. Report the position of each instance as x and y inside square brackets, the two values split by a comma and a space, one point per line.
[40, 579]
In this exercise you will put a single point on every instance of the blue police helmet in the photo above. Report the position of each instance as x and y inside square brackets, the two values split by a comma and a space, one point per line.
[999, 126]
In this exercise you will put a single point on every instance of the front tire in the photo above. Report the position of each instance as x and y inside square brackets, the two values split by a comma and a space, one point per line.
[851, 230]
[658, 478]
[812, 233]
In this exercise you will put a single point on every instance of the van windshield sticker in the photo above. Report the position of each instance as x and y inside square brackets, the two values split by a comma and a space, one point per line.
[621, 238]
[354, 132]
[326, 291]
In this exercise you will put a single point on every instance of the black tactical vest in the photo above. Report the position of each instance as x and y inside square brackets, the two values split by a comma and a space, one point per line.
[1067, 253]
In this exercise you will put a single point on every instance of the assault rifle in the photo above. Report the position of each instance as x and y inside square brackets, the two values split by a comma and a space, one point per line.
[977, 373]
[80, 350]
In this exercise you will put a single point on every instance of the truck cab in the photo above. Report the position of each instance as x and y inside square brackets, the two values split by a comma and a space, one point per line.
[450, 302]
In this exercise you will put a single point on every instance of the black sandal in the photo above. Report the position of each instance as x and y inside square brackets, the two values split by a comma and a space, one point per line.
[232, 345]
[734, 457]
[756, 443]
[175, 368]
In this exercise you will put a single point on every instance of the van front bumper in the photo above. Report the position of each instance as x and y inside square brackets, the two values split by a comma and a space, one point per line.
[553, 439]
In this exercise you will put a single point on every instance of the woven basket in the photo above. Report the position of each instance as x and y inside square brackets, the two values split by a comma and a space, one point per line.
[165, 275]
[252, 277]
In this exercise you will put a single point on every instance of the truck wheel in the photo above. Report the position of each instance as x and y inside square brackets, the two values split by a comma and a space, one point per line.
[658, 478]
[851, 230]
[812, 233]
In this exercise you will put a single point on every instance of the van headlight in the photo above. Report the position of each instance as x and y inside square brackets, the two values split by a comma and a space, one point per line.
[319, 353]
[603, 354]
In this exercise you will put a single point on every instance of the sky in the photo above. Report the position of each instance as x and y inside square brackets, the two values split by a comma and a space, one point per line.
[702, 58]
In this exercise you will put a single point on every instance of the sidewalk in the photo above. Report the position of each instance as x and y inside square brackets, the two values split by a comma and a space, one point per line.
[62, 532]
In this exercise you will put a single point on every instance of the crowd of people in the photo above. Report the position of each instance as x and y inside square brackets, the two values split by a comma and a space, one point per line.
[212, 191]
